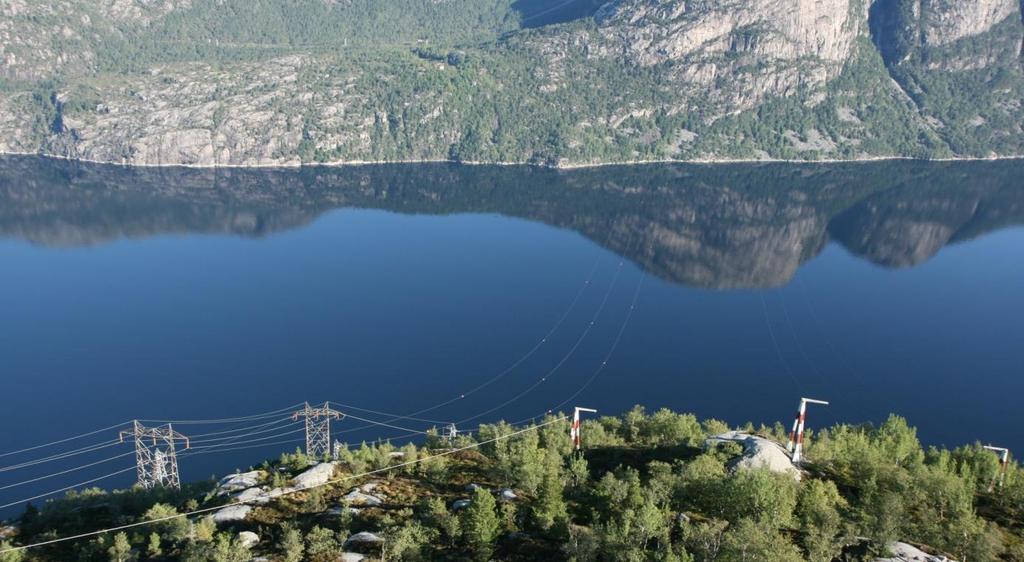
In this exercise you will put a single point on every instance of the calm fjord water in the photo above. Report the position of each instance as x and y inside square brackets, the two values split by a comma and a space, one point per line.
[181, 294]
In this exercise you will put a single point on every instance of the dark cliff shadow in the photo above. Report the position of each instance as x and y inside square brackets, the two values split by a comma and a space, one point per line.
[722, 227]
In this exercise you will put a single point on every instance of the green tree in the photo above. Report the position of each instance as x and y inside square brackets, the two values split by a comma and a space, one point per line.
[884, 516]
[121, 550]
[760, 494]
[154, 548]
[750, 541]
[480, 524]
[704, 539]
[549, 508]
[292, 545]
[169, 524]
[203, 530]
[435, 515]
[406, 542]
[822, 525]
[11, 556]
[321, 545]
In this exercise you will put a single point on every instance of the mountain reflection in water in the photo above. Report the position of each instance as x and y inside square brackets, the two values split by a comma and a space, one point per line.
[719, 226]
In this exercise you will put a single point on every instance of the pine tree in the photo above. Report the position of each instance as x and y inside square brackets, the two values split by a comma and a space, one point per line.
[292, 545]
[153, 549]
[121, 551]
[480, 524]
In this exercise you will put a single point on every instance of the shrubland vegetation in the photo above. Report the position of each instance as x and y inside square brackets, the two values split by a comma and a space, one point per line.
[645, 488]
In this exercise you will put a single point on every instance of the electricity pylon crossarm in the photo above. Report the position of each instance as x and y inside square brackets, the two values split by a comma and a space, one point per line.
[1004, 463]
[796, 437]
[318, 428]
[156, 459]
[575, 430]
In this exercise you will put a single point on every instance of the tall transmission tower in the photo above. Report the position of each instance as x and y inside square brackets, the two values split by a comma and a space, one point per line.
[156, 462]
[1004, 463]
[576, 430]
[451, 433]
[318, 428]
[796, 437]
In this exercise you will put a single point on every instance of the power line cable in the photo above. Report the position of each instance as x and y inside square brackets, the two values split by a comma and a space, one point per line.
[77, 468]
[61, 456]
[226, 420]
[607, 358]
[66, 488]
[557, 366]
[561, 320]
[329, 482]
[45, 445]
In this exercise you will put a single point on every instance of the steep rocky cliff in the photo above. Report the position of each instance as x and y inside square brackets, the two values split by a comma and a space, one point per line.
[742, 50]
[119, 81]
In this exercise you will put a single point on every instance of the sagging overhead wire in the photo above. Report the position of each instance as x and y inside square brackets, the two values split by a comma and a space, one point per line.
[500, 375]
[257, 430]
[61, 456]
[98, 446]
[61, 441]
[66, 488]
[607, 357]
[68, 471]
[557, 366]
[198, 450]
[264, 415]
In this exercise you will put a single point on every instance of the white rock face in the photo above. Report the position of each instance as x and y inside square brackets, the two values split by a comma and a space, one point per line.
[351, 557]
[248, 539]
[232, 513]
[663, 30]
[317, 476]
[355, 497]
[364, 537]
[947, 21]
[759, 452]
[902, 552]
[240, 481]
[733, 54]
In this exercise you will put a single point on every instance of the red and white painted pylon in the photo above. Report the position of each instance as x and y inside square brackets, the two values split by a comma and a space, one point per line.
[796, 437]
[575, 432]
[1004, 462]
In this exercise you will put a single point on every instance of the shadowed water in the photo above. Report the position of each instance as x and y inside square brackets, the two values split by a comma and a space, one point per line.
[729, 291]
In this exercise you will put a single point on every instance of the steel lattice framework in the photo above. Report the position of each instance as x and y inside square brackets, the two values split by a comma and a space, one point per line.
[318, 428]
[156, 461]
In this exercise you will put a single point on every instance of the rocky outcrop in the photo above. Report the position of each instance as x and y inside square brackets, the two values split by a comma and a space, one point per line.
[672, 30]
[758, 453]
[904, 28]
[231, 514]
[239, 481]
[903, 552]
[315, 477]
[738, 51]
[947, 21]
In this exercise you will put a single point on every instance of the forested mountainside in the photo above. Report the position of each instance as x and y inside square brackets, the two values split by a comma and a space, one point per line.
[269, 82]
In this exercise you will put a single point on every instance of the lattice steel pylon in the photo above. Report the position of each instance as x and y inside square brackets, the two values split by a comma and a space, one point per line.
[318, 428]
[156, 459]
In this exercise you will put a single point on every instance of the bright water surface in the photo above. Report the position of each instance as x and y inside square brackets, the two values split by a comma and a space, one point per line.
[195, 294]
